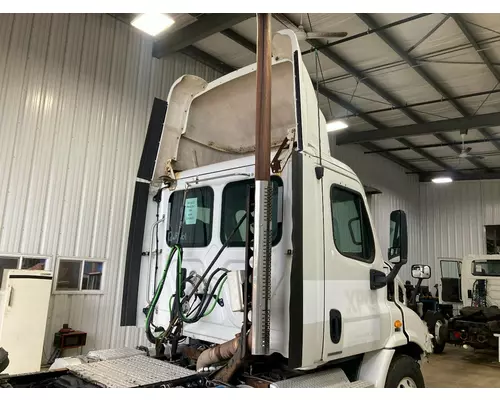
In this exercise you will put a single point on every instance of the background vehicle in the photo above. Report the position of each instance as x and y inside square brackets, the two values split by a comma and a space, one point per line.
[471, 287]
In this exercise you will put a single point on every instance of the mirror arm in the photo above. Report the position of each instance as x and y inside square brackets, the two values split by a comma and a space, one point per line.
[390, 278]
[415, 291]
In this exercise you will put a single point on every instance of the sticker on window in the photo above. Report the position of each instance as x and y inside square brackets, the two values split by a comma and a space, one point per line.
[191, 211]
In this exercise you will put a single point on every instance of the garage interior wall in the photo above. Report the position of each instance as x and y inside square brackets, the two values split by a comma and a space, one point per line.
[75, 99]
[400, 191]
[454, 218]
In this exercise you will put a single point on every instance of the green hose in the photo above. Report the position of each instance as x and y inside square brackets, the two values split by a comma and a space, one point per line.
[159, 288]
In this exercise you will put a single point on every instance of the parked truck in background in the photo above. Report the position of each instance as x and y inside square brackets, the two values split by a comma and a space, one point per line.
[327, 317]
[470, 289]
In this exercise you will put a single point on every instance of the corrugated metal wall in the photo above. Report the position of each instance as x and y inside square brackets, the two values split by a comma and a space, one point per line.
[453, 218]
[76, 93]
[399, 192]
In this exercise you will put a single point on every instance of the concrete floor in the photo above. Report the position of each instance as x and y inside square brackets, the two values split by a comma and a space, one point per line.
[460, 368]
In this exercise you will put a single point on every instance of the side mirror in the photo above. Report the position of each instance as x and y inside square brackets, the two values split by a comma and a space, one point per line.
[398, 238]
[419, 271]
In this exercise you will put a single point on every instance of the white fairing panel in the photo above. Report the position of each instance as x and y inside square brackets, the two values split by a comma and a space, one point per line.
[207, 123]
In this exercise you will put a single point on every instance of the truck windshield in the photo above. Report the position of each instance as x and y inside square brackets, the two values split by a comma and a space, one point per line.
[486, 268]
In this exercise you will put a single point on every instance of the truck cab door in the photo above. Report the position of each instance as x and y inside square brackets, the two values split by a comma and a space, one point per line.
[450, 288]
[357, 319]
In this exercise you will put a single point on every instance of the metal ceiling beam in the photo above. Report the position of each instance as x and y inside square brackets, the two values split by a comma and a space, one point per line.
[393, 158]
[368, 32]
[447, 125]
[345, 65]
[370, 22]
[242, 41]
[428, 102]
[204, 27]
[432, 146]
[465, 30]
[207, 59]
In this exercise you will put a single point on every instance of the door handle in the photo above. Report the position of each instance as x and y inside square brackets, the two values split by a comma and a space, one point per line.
[11, 296]
[335, 326]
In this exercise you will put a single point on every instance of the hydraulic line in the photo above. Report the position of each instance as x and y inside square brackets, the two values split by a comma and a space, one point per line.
[177, 296]
[159, 289]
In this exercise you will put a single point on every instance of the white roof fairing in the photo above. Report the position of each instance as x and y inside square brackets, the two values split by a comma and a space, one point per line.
[208, 123]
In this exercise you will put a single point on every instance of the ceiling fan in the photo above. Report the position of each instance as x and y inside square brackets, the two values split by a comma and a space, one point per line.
[466, 152]
[303, 35]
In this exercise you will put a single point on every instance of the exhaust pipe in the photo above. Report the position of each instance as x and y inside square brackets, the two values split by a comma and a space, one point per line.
[221, 352]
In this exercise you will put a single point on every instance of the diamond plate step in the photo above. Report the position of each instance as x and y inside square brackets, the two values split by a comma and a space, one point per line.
[129, 372]
[334, 378]
[113, 354]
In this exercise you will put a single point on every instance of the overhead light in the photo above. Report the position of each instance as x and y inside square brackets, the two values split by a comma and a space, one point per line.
[152, 23]
[443, 179]
[335, 126]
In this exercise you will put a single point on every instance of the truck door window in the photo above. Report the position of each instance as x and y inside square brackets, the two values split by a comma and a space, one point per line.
[234, 203]
[197, 222]
[352, 232]
[450, 269]
[450, 281]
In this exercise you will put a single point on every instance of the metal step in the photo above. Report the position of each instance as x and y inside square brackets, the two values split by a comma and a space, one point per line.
[332, 378]
[129, 372]
[113, 354]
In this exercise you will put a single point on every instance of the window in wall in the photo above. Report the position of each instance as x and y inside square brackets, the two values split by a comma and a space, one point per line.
[234, 203]
[77, 275]
[197, 221]
[19, 261]
[352, 233]
[492, 239]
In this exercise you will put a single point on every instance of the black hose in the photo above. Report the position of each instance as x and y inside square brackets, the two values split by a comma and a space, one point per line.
[178, 301]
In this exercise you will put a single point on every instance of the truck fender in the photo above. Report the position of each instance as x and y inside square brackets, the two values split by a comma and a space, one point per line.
[375, 365]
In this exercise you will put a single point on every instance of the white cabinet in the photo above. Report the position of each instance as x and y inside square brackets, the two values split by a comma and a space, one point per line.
[24, 304]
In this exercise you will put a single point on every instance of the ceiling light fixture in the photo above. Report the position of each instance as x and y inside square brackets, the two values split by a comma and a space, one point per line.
[336, 126]
[152, 23]
[443, 179]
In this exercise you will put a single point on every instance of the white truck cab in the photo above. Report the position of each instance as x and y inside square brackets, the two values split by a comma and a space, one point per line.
[336, 311]
[329, 287]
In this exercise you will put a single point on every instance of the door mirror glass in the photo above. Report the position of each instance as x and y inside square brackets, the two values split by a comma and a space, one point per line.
[398, 238]
[419, 271]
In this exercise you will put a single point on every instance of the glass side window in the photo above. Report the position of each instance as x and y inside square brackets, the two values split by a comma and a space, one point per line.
[486, 268]
[450, 269]
[352, 232]
[197, 217]
[234, 203]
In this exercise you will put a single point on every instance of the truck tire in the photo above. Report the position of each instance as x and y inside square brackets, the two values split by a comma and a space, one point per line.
[404, 372]
[435, 321]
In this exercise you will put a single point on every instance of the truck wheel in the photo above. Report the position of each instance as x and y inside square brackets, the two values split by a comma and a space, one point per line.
[404, 372]
[435, 322]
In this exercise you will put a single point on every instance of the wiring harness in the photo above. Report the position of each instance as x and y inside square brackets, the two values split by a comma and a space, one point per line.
[479, 293]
